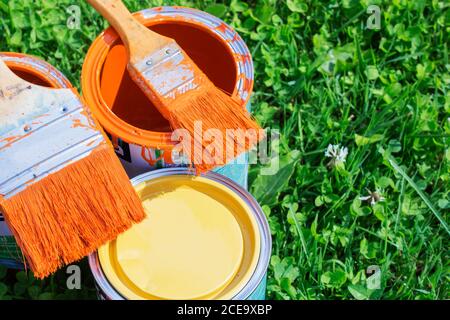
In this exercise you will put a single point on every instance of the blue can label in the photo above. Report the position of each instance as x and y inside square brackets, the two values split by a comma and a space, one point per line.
[260, 291]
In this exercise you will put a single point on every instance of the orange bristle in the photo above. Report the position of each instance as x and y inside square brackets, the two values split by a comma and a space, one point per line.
[214, 109]
[68, 214]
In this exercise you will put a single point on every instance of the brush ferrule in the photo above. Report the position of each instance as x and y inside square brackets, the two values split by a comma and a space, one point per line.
[37, 145]
[167, 73]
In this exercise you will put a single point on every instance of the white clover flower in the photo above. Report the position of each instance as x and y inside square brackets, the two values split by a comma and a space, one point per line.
[337, 154]
[373, 197]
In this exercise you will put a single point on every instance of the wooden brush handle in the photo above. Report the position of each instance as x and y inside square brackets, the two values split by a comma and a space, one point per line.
[138, 39]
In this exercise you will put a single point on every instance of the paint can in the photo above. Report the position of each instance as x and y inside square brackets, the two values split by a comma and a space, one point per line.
[41, 73]
[141, 136]
[205, 237]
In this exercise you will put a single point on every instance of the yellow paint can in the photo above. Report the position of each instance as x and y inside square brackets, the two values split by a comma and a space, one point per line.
[204, 238]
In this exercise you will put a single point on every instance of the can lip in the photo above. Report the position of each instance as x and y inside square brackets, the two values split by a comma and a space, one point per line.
[265, 245]
[37, 67]
[97, 53]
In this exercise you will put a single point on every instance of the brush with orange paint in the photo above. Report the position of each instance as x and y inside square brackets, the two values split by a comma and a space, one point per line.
[63, 192]
[181, 92]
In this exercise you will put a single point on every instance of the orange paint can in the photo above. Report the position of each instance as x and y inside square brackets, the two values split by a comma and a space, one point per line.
[141, 136]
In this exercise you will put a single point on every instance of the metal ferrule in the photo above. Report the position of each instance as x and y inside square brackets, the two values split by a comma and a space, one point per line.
[56, 132]
[168, 71]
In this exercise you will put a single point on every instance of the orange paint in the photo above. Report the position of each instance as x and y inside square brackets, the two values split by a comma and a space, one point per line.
[244, 58]
[88, 115]
[222, 28]
[33, 78]
[123, 97]
[234, 39]
[78, 124]
[91, 143]
[11, 140]
[167, 156]
[247, 82]
[42, 116]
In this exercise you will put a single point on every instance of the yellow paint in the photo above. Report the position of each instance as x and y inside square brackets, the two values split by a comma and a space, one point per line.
[199, 241]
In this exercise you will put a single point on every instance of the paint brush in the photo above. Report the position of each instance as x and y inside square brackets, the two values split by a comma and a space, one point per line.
[63, 192]
[182, 93]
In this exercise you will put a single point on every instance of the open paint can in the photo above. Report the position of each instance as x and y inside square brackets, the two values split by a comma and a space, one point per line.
[41, 73]
[204, 237]
[141, 136]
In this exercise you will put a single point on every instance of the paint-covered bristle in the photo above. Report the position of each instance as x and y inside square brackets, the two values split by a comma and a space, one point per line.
[70, 213]
[218, 123]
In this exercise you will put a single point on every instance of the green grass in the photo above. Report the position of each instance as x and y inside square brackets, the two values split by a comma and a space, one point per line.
[322, 78]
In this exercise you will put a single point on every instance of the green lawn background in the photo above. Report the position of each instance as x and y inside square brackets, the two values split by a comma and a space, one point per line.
[322, 77]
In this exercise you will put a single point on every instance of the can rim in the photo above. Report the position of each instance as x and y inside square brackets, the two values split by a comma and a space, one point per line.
[38, 66]
[265, 246]
[97, 53]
